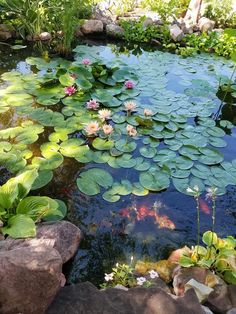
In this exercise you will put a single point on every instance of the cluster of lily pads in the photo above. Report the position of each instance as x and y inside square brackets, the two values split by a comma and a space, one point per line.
[109, 113]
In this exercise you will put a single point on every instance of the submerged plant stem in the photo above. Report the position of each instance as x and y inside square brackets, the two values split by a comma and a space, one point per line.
[198, 222]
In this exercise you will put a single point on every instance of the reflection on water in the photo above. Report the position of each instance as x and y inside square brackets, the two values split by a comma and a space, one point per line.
[144, 227]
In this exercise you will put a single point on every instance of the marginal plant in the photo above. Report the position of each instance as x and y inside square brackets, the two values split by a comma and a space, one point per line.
[19, 213]
[218, 255]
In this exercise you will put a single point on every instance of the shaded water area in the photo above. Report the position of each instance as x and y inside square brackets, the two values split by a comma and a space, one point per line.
[115, 232]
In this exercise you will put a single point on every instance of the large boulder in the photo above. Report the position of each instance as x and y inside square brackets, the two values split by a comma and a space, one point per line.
[30, 277]
[176, 32]
[92, 26]
[86, 298]
[114, 30]
[222, 299]
[62, 236]
[205, 24]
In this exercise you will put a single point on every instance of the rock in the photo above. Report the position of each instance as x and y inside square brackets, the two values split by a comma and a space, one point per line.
[45, 36]
[62, 236]
[156, 42]
[163, 267]
[92, 26]
[176, 32]
[222, 299]
[6, 32]
[85, 298]
[232, 311]
[30, 277]
[205, 24]
[114, 30]
[78, 32]
[148, 21]
[206, 310]
[182, 275]
[202, 291]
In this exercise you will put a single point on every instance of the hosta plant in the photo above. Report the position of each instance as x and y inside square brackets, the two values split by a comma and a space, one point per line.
[19, 213]
[218, 255]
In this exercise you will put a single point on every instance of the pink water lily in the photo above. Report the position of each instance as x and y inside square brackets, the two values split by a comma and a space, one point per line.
[131, 130]
[92, 104]
[129, 84]
[92, 128]
[104, 114]
[107, 129]
[130, 105]
[86, 61]
[70, 90]
[147, 112]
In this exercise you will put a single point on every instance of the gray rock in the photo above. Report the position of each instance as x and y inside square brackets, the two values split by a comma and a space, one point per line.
[222, 299]
[62, 236]
[85, 298]
[205, 24]
[232, 311]
[30, 277]
[114, 30]
[176, 32]
[148, 21]
[78, 32]
[92, 26]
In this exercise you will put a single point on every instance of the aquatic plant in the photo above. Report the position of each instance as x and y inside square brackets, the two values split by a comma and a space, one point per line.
[163, 147]
[19, 213]
[218, 255]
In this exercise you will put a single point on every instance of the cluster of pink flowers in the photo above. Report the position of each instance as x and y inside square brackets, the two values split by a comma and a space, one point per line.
[92, 104]
[70, 90]
[131, 130]
[86, 61]
[129, 84]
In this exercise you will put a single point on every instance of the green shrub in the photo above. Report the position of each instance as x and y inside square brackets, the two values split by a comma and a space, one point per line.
[221, 12]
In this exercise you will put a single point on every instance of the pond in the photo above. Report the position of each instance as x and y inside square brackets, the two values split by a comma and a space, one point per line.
[127, 194]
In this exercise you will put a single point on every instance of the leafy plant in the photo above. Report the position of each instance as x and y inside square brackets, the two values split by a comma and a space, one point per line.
[222, 12]
[136, 31]
[217, 255]
[168, 8]
[19, 213]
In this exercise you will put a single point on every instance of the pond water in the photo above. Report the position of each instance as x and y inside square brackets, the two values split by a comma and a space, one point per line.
[150, 226]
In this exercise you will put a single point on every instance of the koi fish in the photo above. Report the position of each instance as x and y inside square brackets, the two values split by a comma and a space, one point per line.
[143, 212]
[164, 222]
[204, 207]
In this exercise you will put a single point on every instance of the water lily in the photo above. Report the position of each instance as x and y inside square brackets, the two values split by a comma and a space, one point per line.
[130, 105]
[211, 192]
[109, 277]
[86, 61]
[141, 280]
[147, 112]
[92, 128]
[70, 90]
[131, 130]
[153, 274]
[104, 114]
[129, 84]
[107, 129]
[92, 104]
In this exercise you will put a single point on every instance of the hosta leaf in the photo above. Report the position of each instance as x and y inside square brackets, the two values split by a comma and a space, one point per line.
[20, 226]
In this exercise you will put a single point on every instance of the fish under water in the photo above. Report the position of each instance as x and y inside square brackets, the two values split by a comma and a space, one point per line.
[204, 207]
[134, 214]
